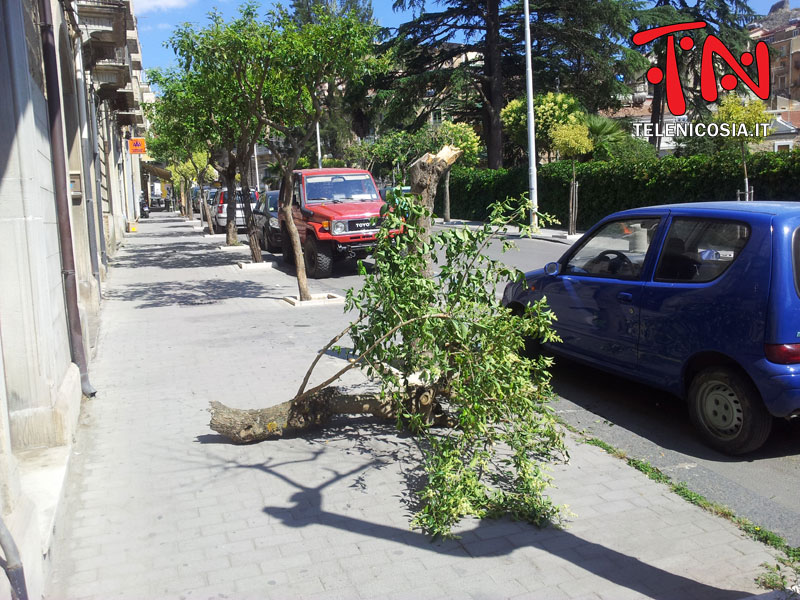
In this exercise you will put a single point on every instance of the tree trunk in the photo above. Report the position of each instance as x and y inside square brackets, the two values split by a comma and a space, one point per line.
[657, 105]
[744, 167]
[231, 238]
[288, 418]
[494, 86]
[250, 222]
[287, 190]
[425, 173]
[207, 212]
[446, 211]
[573, 203]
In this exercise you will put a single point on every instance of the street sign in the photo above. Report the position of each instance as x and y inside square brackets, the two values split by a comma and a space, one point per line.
[137, 146]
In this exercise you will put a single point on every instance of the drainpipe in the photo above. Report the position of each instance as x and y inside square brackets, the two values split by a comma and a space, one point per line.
[97, 169]
[62, 200]
[13, 564]
[85, 153]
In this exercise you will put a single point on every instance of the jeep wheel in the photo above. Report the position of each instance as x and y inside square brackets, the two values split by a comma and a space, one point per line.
[319, 258]
[728, 411]
[288, 253]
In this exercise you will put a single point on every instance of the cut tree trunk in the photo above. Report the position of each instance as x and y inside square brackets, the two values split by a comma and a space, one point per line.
[425, 173]
[289, 418]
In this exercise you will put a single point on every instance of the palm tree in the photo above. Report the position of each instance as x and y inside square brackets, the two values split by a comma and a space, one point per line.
[604, 133]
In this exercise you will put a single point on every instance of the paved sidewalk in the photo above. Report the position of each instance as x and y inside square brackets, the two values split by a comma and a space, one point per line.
[159, 507]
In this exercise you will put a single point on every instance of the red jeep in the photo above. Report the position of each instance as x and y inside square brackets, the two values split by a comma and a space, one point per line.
[336, 212]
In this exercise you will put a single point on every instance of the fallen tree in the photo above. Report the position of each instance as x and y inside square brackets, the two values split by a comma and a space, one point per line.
[439, 351]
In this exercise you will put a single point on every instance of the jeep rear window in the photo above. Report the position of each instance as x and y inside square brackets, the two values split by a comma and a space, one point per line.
[341, 188]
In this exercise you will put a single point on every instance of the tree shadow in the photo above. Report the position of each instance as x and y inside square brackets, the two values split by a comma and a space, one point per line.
[191, 293]
[181, 255]
[488, 539]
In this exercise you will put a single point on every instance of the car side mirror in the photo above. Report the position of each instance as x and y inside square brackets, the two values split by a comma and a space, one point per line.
[552, 268]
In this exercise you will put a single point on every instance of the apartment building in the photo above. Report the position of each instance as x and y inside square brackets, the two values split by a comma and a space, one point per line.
[69, 188]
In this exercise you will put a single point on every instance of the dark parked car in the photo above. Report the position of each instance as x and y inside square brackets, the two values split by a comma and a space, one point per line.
[265, 215]
[701, 300]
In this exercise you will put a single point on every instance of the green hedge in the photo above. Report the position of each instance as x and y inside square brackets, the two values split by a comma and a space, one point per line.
[607, 187]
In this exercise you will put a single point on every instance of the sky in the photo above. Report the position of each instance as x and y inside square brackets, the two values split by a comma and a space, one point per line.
[158, 18]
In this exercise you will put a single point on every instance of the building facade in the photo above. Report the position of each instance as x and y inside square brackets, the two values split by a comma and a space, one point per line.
[68, 192]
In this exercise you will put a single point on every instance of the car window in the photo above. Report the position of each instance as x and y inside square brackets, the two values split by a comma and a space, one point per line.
[272, 201]
[616, 250]
[296, 192]
[700, 250]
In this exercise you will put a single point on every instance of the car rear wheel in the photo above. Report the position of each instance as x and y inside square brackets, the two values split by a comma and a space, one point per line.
[728, 411]
[319, 258]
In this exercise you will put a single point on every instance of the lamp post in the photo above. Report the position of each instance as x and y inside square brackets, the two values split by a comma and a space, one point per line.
[532, 192]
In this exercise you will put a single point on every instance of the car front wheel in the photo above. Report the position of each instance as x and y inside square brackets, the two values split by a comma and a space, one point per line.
[728, 411]
[319, 258]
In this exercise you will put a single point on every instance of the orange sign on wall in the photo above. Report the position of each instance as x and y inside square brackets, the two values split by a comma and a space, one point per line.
[137, 146]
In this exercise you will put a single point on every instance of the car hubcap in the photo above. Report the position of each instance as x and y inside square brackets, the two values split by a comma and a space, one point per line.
[721, 410]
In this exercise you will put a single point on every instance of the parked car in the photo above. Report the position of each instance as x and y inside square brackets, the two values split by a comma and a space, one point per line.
[266, 218]
[220, 213]
[701, 300]
[337, 214]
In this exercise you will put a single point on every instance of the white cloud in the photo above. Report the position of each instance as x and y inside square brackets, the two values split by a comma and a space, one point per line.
[142, 7]
[164, 26]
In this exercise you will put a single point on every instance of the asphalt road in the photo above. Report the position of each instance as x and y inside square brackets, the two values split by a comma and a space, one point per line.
[651, 425]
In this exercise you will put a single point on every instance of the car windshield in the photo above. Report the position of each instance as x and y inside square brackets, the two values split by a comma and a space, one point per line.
[357, 187]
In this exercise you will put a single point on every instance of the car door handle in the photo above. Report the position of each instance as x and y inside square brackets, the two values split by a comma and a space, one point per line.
[625, 297]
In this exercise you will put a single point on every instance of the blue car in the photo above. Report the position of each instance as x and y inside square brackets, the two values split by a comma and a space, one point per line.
[701, 300]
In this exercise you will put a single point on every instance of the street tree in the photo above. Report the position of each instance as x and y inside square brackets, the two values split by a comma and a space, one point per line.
[301, 60]
[442, 359]
[746, 121]
[571, 141]
[176, 133]
[212, 58]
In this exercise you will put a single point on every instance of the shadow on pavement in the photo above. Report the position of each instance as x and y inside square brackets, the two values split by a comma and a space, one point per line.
[183, 255]
[192, 293]
[654, 414]
[487, 539]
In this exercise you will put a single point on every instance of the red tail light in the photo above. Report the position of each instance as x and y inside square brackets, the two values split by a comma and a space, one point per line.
[782, 354]
[221, 206]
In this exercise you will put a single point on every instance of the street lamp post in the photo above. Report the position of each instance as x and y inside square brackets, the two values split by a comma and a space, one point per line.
[534, 218]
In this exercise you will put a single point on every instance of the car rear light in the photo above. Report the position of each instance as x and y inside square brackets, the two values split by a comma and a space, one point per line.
[220, 208]
[783, 354]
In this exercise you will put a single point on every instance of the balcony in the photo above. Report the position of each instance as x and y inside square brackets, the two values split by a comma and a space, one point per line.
[103, 20]
[133, 41]
[136, 62]
[130, 117]
[110, 66]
